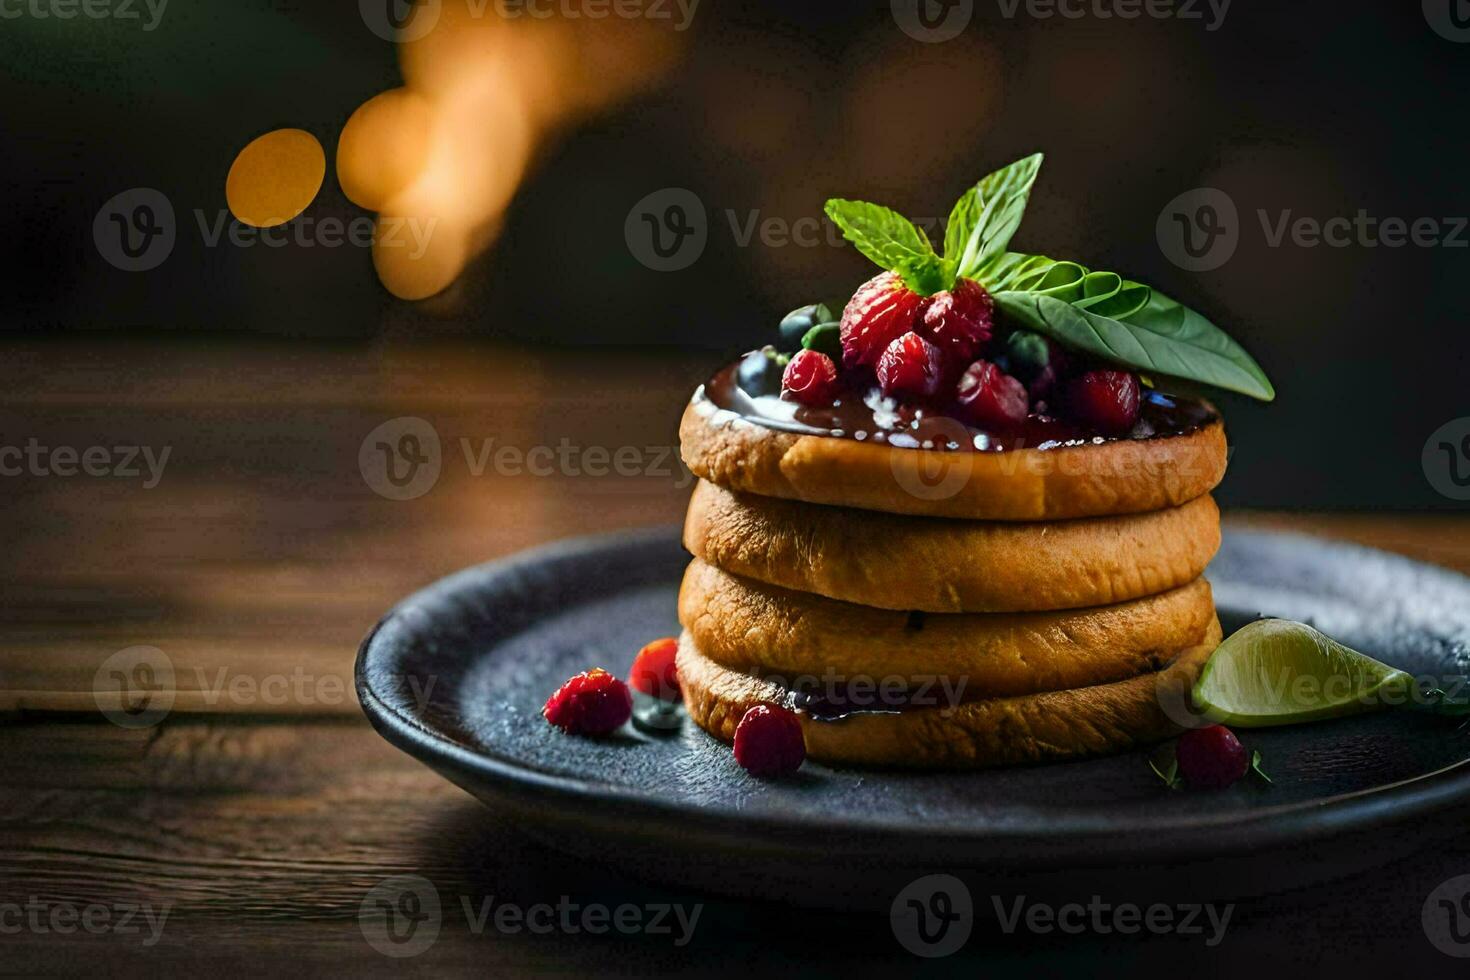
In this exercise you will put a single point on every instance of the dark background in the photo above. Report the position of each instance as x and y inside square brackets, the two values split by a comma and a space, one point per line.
[1318, 107]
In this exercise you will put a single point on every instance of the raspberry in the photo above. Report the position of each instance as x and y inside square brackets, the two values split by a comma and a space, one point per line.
[1211, 757]
[768, 741]
[654, 671]
[1104, 400]
[882, 310]
[911, 367]
[592, 703]
[960, 320]
[811, 378]
[988, 398]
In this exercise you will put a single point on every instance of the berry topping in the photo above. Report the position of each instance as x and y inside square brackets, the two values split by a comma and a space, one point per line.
[959, 320]
[796, 324]
[654, 671]
[1105, 400]
[1037, 361]
[592, 703]
[911, 367]
[1211, 757]
[811, 378]
[882, 310]
[988, 398]
[760, 373]
[768, 741]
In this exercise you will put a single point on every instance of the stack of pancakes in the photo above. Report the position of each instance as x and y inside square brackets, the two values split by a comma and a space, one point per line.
[946, 608]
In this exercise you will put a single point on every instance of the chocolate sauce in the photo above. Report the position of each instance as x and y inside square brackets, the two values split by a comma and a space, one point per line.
[867, 416]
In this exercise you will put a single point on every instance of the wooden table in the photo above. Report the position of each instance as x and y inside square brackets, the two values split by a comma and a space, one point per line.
[263, 808]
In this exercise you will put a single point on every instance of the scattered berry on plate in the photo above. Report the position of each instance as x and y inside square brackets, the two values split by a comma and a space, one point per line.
[911, 367]
[1105, 399]
[883, 309]
[593, 702]
[768, 741]
[1211, 758]
[960, 320]
[811, 378]
[988, 398]
[654, 671]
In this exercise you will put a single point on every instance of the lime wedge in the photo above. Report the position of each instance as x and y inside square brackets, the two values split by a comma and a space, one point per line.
[1276, 672]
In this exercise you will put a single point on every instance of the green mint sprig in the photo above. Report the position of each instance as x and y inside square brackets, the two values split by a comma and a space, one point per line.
[1100, 313]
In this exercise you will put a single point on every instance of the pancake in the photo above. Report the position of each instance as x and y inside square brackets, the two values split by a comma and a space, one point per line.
[767, 630]
[1124, 476]
[948, 566]
[1045, 727]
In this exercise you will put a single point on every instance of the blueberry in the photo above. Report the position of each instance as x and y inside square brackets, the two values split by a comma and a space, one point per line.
[795, 324]
[759, 374]
[1027, 354]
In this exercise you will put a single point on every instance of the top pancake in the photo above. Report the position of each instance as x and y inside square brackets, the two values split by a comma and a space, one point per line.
[1124, 476]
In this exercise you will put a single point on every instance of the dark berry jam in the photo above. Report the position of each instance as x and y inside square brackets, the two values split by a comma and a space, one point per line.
[864, 415]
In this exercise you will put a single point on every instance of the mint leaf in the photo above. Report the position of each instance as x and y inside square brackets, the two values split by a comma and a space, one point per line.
[988, 215]
[883, 235]
[1256, 767]
[1104, 293]
[1162, 337]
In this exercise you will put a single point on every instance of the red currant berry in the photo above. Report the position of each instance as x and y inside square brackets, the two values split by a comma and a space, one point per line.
[882, 310]
[1104, 400]
[990, 399]
[1211, 757]
[592, 703]
[811, 378]
[768, 741]
[911, 367]
[654, 671]
[960, 320]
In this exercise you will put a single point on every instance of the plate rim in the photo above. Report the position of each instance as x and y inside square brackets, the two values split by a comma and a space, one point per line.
[1064, 841]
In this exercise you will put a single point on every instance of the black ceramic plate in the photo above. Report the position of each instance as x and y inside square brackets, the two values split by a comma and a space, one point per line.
[456, 676]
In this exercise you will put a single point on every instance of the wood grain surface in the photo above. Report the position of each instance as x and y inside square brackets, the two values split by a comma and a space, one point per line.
[260, 812]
